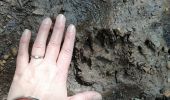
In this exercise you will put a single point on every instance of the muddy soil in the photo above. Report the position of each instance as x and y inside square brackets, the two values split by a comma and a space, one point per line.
[121, 50]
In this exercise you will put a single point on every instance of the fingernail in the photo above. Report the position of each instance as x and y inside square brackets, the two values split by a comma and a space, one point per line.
[61, 18]
[26, 31]
[47, 20]
[97, 97]
[71, 28]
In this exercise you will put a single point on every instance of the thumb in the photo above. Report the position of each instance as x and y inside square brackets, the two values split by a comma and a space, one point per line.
[89, 95]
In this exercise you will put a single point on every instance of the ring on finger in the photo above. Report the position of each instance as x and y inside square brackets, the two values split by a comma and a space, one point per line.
[37, 57]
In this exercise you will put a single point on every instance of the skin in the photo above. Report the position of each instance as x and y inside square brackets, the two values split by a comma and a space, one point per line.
[46, 78]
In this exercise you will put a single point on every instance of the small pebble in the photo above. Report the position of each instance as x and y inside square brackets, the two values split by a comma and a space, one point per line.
[135, 99]
[6, 56]
[38, 12]
[3, 61]
[166, 49]
[1, 3]
[9, 16]
[168, 64]
[14, 51]
[167, 93]
[168, 80]
[166, 9]
[146, 69]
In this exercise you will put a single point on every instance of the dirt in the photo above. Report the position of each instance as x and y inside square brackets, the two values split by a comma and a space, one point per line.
[121, 49]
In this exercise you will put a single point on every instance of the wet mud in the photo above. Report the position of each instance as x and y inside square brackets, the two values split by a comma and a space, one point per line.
[121, 49]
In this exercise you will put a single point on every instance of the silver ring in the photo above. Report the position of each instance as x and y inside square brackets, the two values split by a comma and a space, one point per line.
[37, 57]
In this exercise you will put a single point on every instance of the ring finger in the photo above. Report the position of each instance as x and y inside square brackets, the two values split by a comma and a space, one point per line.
[39, 45]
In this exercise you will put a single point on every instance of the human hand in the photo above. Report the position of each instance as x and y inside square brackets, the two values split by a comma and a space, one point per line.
[44, 76]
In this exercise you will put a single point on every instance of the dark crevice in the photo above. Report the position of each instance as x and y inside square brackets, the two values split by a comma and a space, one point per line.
[116, 72]
[169, 51]
[104, 59]
[79, 78]
[77, 70]
[106, 37]
[150, 45]
[162, 98]
[89, 42]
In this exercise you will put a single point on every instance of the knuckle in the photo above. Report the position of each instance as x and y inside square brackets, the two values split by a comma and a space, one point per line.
[38, 45]
[53, 44]
[67, 52]
[20, 54]
[23, 41]
[68, 36]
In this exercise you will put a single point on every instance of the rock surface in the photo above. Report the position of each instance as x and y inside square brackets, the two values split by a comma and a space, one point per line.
[121, 47]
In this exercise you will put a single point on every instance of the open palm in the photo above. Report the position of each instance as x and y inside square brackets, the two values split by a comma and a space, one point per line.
[44, 76]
